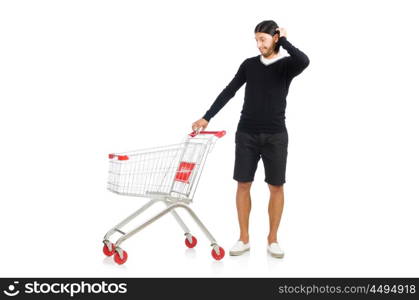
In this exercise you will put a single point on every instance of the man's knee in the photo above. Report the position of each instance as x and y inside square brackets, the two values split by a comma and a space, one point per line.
[244, 186]
[276, 188]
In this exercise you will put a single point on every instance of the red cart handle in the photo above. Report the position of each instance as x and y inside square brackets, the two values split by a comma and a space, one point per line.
[193, 134]
[216, 133]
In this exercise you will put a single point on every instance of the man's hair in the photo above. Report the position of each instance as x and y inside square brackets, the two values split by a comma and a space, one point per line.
[269, 27]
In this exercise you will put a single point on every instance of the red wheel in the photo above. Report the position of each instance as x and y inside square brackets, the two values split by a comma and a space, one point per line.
[218, 256]
[191, 244]
[106, 250]
[120, 260]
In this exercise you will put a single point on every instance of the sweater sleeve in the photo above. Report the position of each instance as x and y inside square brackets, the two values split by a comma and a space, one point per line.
[297, 61]
[228, 92]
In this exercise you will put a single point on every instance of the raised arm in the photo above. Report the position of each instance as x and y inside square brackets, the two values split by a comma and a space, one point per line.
[297, 61]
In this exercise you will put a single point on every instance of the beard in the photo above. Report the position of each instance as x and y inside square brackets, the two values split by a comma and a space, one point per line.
[268, 52]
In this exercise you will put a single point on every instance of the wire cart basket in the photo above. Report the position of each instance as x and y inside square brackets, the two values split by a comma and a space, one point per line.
[169, 174]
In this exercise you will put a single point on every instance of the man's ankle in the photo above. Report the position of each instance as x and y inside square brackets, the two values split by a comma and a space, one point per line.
[245, 240]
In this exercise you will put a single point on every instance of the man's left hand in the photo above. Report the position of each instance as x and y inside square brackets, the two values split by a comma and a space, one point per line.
[281, 31]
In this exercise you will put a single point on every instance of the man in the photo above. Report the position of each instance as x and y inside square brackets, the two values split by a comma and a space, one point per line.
[261, 132]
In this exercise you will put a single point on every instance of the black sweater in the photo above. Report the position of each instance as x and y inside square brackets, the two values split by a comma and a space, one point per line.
[266, 90]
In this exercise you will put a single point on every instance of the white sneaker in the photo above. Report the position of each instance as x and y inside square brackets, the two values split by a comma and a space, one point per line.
[239, 248]
[275, 251]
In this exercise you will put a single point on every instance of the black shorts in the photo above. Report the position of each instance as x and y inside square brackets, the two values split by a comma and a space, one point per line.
[250, 147]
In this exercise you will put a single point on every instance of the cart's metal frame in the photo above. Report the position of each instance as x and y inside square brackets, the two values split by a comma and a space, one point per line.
[172, 199]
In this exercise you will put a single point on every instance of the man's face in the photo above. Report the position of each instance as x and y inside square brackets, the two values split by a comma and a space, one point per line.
[266, 43]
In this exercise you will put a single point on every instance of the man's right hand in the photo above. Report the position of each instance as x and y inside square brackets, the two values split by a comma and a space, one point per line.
[201, 123]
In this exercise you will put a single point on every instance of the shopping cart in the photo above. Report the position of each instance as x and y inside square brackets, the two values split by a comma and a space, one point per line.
[169, 174]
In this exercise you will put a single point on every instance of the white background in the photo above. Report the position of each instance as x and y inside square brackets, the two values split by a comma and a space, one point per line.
[81, 79]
